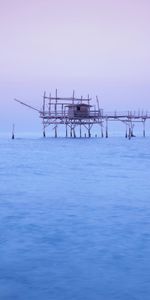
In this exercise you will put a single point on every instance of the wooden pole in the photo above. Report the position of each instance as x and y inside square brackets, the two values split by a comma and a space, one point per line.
[88, 99]
[71, 129]
[44, 96]
[144, 133]
[89, 132]
[132, 132]
[80, 131]
[106, 128]
[56, 103]
[129, 135]
[62, 110]
[66, 130]
[98, 106]
[49, 105]
[73, 96]
[126, 133]
[102, 134]
[13, 132]
[74, 133]
[44, 133]
[56, 131]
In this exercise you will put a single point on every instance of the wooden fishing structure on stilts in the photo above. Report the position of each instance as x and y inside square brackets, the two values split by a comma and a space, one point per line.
[79, 115]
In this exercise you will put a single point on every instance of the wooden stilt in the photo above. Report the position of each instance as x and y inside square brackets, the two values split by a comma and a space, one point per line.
[80, 131]
[44, 134]
[74, 133]
[144, 133]
[44, 97]
[129, 135]
[126, 133]
[132, 132]
[66, 130]
[56, 131]
[102, 134]
[71, 130]
[89, 131]
[106, 128]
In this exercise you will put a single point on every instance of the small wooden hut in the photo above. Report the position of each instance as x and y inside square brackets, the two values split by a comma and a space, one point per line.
[78, 111]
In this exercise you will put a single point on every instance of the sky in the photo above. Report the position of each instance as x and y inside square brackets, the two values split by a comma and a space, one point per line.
[96, 47]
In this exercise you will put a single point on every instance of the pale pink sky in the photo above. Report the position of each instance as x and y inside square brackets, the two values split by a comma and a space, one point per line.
[97, 47]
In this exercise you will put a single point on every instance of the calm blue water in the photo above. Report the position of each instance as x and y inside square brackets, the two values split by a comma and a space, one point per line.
[75, 219]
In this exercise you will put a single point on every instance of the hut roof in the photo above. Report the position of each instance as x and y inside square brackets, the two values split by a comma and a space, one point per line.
[78, 104]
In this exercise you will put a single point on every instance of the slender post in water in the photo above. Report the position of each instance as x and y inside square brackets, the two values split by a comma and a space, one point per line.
[102, 134]
[44, 96]
[144, 134]
[56, 131]
[71, 129]
[13, 132]
[66, 130]
[74, 132]
[80, 131]
[106, 128]
[130, 132]
[126, 133]
[89, 131]
[44, 134]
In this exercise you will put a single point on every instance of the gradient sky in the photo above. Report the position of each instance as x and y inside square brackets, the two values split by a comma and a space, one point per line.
[100, 47]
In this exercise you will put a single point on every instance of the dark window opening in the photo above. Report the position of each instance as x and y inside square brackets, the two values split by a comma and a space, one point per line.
[78, 107]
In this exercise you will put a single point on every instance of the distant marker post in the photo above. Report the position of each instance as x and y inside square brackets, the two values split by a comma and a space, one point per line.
[13, 132]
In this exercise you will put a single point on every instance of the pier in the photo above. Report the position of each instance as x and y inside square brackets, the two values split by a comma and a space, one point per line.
[79, 116]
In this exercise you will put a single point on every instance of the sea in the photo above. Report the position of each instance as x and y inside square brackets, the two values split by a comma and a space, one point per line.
[75, 218]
